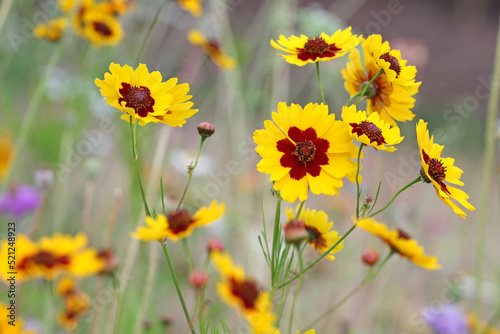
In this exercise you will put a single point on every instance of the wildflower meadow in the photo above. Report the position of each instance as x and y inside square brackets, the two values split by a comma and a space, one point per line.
[232, 166]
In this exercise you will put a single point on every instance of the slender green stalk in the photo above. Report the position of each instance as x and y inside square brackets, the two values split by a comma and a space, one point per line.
[202, 299]
[358, 167]
[4, 12]
[418, 179]
[361, 94]
[276, 240]
[177, 288]
[301, 206]
[190, 172]
[135, 157]
[148, 34]
[489, 162]
[320, 85]
[188, 254]
[297, 290]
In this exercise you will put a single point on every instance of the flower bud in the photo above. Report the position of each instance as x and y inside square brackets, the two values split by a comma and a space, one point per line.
[205, 129]
[295, 232]
[370, 257]
[198, 278]
[110, 261]
[215, 245]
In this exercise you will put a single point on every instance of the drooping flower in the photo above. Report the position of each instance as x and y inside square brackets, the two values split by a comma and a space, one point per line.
[400, 242]
[242, 293]
[179, 224]
[303, 50]
[143, 96]
[371, 130]
[447, 319]
[395, 68]
[437, 170]
[19, 200]
[192, 6]
[7, 155]
[76, 303]
[305, 148]
[101, 28]
[16, 327]
[212, 49]
[321, 235]
[52, 30]
[392, 102]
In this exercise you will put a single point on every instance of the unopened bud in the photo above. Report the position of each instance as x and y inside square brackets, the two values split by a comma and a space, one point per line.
[110, 261]
[368, 199]
[215, 245]
[205, 129]
[370, 257]
[198, 278]
[295, 232]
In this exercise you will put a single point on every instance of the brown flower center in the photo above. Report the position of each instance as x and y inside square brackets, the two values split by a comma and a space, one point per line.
[179, 221]
[45, 259]
[315, 237]
[316, 45]
[102, 28]
[373, 132]
[403, 235]
[436, 170]
[305, 151]
[247, 291]
[393, 61]
[138, 98]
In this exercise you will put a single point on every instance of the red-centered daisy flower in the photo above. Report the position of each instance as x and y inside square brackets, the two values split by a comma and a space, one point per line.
[303, 50]
[436, 170]
[212, 49]
[305, 148]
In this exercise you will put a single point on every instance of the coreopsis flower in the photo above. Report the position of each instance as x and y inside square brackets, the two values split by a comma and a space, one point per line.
[116, 7]
[51, 257]
[395, 68]
[392, 102]
[19, 200]
[52, 30]
[242, 293]
[7, 155]
[437, 170]
[212, 49]
[447, 319]
[321, 236]
[143, 96]
[311, 331]
[400, 242]
[192, 6]
[305, 148]
[303, 50]
[178, 224]
[476, 325]
[101, 28]
[371, 130]
[76, 303]
[8, 313]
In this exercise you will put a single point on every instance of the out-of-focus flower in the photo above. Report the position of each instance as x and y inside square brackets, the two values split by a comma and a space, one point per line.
[371, 130]
[101, 28]
[52, 30]
[303, 50]
[295, 231]
[44, 178]
[179, 224]
[370, 257]
[198, 278]
[116, 7]
[476, 325]
[19, 200]
[110, 261]
[447, 319]
[305, 148]
[436, 170]
[144, 97]
[7, 155]
[51, 257]
[392, 102]
[400, 242]
[76, 303]
[242, 293]
[212, 49]
[311, 331]
[321, 235]
[215, 245]
[8, 313]
[192, 6]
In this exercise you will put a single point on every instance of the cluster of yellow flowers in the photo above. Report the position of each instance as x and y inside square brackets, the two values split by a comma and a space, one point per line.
[76, 302]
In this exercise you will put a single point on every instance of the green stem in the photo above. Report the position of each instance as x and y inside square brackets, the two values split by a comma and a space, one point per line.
[418, 179]
[190, 172]
[362, 94]
[179, 293]
[148, 34]
[202, 298]
[297, 290]
[320, 85]
[4, 12]
[489, 162]
[301, 206]
[276, 239]
[135, 157]
[358, 167]
[188, 254]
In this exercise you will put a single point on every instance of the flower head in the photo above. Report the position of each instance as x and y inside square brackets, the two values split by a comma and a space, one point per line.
[446, 320]
[212, 49]
[19, 200]
[144, 97]
[76, 303]
[52, 30]
[321, 235]
[192, 6]
[371, 130]
[7, 155]
[179, 224]
[437, 170]
[5, 326]
[400, 242]
[101, 28]
[476, 325]
[305, 148]
[242, 293]
[303, 50]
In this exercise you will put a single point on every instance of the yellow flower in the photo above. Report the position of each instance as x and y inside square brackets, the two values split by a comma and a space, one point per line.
[321, 235]
[144, 97]
[50, 257]
[371, 130]
[179, 224]
[8, 314]
[395, 68]
[400, 242]
[101, 28]
[436, 170]
[7, 155]
[312, 331]
[52, 30]
[243, 294]
[65, 286]
[212, 49]
[305, 148]
[116, 7]
[478, 326]
[192, 6]
[68, 6]
[303, 50]
[393, 103]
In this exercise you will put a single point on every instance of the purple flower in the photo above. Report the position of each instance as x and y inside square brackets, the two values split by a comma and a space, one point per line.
[446, 320]
[19, 200]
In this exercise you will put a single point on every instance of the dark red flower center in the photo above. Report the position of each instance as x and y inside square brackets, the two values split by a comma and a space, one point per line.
[102, 28]
[137, 98]
[246, 290]
[315, 237]
[44, 259]
[179, 221]
[436, 171]
[317, 48]
[369, 129]
[303, 152]
[393, 61]
[403, 235]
